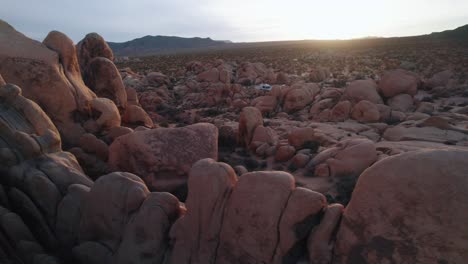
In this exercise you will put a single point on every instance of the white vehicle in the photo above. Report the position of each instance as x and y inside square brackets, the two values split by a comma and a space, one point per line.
[263, 87]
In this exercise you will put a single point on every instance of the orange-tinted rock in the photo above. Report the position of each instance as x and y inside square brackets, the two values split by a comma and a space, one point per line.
[135, 115]
[299, 96]
[300, 160]
[27, 131]
[250, 118]
[104, 79]
[285, 153]
[37, 70]
[92, 46]
[108, 205]
[321, 240]
[362, 90]
[384, 225]
[248, 220]
[143, 241]
[365, 112]
[109, 116]
[266, 104]
[348, 158]
[397, 82]
[163, 157]
[2, 82]
[265, 135]
[300, 137]
[196, 234]
[341, 111]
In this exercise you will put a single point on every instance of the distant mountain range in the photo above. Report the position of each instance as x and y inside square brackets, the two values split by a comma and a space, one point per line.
[460, 33]
[152, 45]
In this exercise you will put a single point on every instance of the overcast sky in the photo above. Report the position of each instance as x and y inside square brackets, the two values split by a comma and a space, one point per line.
[236, 20]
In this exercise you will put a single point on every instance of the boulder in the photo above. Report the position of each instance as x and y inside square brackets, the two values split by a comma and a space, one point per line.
[27, 132]
[391, 225]
[304, 137]
[266, 104]
[143, 241]
[108, 114]
[104, 79]
[299, 96]
[92, 46]
[264, 135]
[252, 215]
[348, 158]
[196, 234]
[135, 116]
[250, 118]
[360, 90]
[37, 69]
[320, 243]
[401, 102]
[439, 79]
[365, 112]
[284, 153]
[340, 111]
[163, 157]
[399, 81]
[108, 206]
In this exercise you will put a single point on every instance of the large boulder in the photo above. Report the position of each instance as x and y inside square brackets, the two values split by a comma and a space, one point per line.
[348, 158]
[362, 90]
[397, 82]
[299, 96]
[92, 46]
[163, 157]
[420, 219]
[281, 221]
[401, 102]
[26, 131]
[104, 79]
[266, 104]
[250, 118]
[108, 206]
[196, 234]
[143, 241]
[48, 81]
[340, 111]
[365, 112]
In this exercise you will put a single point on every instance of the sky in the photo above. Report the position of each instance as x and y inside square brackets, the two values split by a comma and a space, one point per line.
[235, 20]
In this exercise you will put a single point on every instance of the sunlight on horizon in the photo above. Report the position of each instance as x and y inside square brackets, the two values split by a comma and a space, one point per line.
[327, 20]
